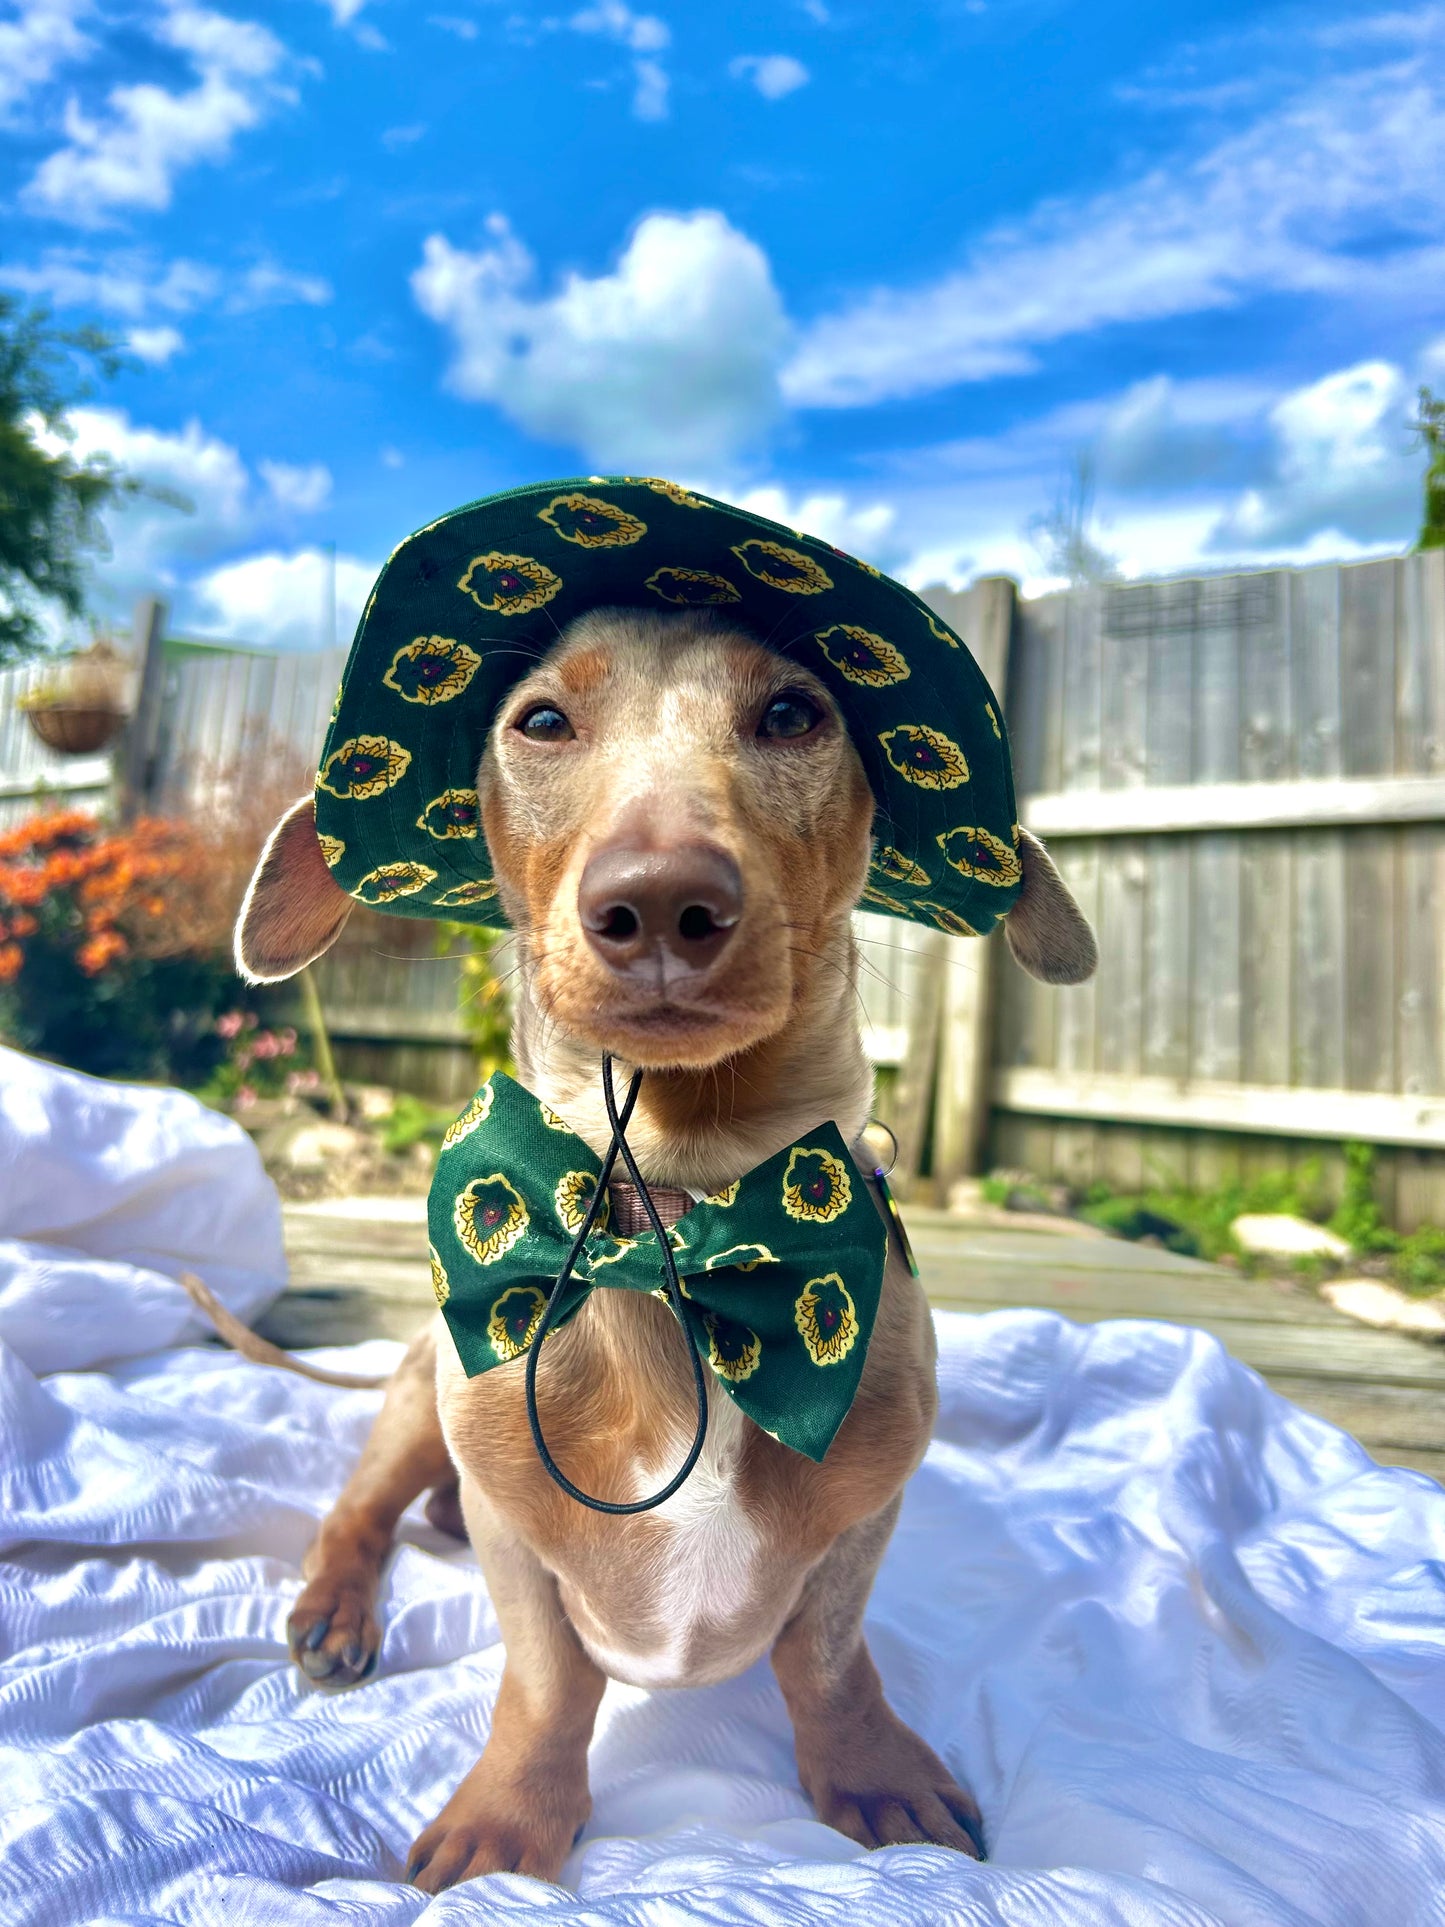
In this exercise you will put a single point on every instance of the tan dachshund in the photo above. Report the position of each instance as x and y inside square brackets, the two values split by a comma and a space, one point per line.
[680, 829]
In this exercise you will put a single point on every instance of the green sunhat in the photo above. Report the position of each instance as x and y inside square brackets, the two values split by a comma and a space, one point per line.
[466, 606]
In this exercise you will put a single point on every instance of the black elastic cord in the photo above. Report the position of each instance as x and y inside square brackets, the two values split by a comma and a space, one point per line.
[619, 1145]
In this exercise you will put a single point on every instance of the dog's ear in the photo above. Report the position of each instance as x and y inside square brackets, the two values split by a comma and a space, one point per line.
[294, 908]
[1046, 930]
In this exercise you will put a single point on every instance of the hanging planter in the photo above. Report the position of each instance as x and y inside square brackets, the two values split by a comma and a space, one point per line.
[81, 707]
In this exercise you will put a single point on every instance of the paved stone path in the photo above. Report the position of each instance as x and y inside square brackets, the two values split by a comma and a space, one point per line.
[362, 1277]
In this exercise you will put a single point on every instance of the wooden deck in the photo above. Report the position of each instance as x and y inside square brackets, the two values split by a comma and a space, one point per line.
[355, 1277]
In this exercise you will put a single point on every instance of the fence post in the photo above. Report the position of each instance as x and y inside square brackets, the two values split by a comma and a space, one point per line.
[984, 616]
[135, 758]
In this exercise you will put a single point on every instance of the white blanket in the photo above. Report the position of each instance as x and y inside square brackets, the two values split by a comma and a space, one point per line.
[1186, 1643]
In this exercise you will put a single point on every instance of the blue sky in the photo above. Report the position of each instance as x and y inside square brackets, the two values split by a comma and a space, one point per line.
[884, 271]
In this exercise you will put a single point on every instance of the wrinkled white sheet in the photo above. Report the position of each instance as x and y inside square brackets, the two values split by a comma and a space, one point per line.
[107, 1193]
[1186, 1643]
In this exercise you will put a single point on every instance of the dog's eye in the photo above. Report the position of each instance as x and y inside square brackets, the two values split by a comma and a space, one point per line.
[790, 714]
[544, 724]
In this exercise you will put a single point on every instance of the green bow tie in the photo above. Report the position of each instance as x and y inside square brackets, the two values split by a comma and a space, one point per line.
[781, 1272]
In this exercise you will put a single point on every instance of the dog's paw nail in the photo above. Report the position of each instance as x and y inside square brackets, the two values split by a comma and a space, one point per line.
[351, 1657]
[315, 1665]
[316, 1635]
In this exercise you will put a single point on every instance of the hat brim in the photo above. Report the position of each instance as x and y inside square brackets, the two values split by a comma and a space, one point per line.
[466, 606]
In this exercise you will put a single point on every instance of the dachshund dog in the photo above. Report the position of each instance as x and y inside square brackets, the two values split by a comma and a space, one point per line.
[679, 827]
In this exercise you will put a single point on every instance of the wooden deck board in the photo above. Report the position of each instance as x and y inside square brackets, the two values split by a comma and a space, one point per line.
[353, 1279]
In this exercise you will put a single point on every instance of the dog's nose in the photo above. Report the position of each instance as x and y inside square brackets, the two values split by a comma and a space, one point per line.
[637, 905]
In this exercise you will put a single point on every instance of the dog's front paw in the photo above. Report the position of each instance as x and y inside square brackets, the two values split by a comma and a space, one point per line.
[332, 1629]
[880, 1784]
[495, 1825]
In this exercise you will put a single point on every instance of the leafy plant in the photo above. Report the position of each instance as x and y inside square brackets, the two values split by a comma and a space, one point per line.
[1357, 1219]
[50, 502]
[413, 1121]
[1429, 427]
[481, 993]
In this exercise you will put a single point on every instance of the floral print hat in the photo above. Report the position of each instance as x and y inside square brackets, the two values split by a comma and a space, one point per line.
[466, 605]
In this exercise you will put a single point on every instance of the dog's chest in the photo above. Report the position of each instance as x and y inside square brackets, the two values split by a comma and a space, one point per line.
[700, 1587]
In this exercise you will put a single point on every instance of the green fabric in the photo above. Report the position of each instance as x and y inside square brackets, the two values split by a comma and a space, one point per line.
[781, 1273]
[467, 604]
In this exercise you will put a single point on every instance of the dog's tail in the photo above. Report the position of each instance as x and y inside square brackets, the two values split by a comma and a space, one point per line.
[260, 1350]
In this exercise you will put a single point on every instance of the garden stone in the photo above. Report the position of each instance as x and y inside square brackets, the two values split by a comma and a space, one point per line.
[1374, 1303]
[1277, 1234]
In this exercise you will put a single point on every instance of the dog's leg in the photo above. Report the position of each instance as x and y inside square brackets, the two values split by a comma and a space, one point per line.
[866, 1773]
[332, 1628]
[524, 1802]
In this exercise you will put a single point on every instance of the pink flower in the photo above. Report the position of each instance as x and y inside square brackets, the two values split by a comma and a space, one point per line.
[230, 1024]
[298, 1081]
[288, 1042]
[245, 1098]
[267, 1044]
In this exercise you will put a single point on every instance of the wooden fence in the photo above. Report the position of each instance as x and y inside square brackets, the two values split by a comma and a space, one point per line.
[1242, 778]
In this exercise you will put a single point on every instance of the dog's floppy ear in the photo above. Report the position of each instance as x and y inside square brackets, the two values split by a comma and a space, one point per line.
[1046, 930]
[294, 908]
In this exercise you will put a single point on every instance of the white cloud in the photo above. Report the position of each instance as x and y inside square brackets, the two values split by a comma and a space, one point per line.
[129, 283]
[304, 488]
[869, 532]
[668, 360]
[645, 36]
[392, 457]
[394, 139]
[1291, 204]
[649, 99]
[343, 12]
[267, 284]
[643, 33]
[774, 75]
[281, 600]
[155, 345]
[455, 24]
[131, 157]
[44, 36]
[1343, 466]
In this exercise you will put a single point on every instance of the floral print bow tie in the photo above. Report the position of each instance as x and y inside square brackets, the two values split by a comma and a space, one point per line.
[781, 1272]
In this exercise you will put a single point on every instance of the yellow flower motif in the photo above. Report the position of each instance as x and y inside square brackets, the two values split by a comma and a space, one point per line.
[783, 568]
[620, 1249]
[592, 523]
[573, 1199]
[979, 853]
[672, 490]
[453, 813]
[988, 711]
[816, 1185]
[895, 867]
[943, 918]
[733, 1350]
[691, 587]
[462, 894]
[861, 656]
[925, 756]
[728, 1195]
[490, 1215]
[826, 1318]
[514, 1319]
[880, 900]
[336, 701]
[1015, 835]
[440, 1283]
[332, 849]
[477, 1112]
[740, 1258]
[944, 635]
[432, 669]
[552, 1121]
[392, 880]
[364, 766]
[509, 584]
